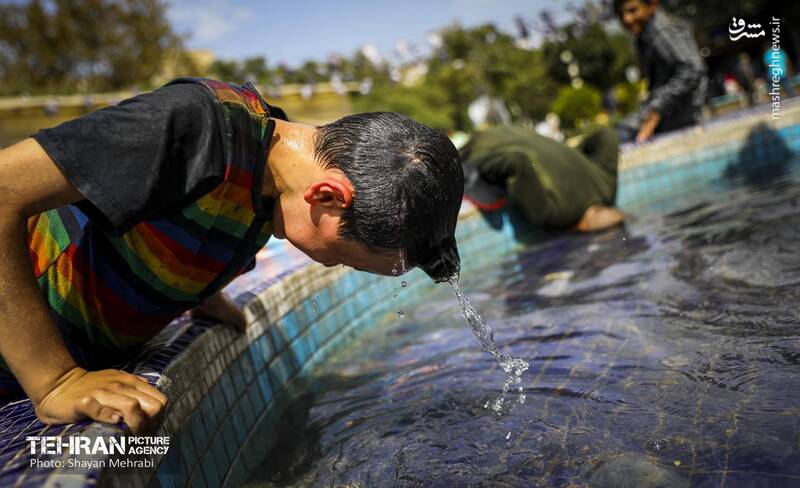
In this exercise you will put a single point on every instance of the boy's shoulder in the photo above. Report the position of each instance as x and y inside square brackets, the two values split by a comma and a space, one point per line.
[246, 94]
[668, 24]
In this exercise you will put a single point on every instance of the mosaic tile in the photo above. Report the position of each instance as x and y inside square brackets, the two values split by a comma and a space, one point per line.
[198, 479]
[200, 436]
[229, 438]
[220, 452]
[256, 399]
[238, 425]
[246, 410]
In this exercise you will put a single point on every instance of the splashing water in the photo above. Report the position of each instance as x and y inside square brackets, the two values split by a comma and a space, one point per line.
[511, 366]
[403, 268]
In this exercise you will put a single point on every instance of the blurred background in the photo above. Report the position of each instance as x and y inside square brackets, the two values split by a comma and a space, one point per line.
[558, 66]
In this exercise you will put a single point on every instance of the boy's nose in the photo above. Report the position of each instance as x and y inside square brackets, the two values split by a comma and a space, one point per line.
[628, 21]
[446, 265]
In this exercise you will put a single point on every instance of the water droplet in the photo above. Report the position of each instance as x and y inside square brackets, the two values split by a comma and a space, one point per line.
[497, 406]
[394, 271]
[403, 284]
[401, 314]
[508, 436]
[655, 445]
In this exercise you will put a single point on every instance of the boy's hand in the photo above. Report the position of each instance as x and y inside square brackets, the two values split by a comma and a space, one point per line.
[106, 396]
[220, 307]
[648, 127]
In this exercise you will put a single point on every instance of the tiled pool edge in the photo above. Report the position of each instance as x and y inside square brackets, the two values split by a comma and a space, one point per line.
[678, 163]
[214, 424]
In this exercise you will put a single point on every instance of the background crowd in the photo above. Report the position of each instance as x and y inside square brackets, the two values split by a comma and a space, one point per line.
[554, 74]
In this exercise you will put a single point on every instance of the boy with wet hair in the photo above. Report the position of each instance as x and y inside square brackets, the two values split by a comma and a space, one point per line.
[670, 62]
[115, 223]
[552, 184]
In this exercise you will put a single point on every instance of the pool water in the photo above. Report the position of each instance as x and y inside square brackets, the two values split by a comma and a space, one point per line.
[665, 353]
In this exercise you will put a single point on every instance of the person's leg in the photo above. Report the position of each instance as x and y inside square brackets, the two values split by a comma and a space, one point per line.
[601, 146]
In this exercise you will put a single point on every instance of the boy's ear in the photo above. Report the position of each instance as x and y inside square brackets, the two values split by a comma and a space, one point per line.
[330, 192]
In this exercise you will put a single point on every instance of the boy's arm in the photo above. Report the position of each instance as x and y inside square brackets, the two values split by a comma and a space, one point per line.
[31, 345]
[678, 47]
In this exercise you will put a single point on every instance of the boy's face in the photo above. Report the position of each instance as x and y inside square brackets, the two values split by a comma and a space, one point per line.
[310, 221]
[635, 14]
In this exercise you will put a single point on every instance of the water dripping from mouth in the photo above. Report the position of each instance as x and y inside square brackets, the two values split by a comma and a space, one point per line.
[511, 366]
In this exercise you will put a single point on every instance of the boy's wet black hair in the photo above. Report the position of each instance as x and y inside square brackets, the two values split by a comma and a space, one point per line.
[617, 4]
[407, 181]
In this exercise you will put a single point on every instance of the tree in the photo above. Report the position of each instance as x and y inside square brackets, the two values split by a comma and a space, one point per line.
[576, 105]
[255, 69]
[530, 92]
[425, 104]
[486, 61]
[601, 57]
[225, 70]
[66, 45]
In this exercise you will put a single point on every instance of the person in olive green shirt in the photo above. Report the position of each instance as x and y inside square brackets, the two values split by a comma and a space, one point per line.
[552, 184]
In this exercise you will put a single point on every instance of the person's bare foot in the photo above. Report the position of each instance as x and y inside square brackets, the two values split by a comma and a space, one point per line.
[598, 217]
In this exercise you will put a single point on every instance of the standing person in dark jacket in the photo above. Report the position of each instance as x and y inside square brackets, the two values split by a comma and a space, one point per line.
[671, 63]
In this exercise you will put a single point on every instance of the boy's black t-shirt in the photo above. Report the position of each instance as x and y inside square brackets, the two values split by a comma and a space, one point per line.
[186, 162]
[146, 155]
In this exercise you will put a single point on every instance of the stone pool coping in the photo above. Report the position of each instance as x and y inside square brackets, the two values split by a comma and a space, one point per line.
[225, 388]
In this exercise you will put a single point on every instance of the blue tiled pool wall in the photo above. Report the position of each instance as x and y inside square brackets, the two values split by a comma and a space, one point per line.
[651, 187]
[223, 439]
